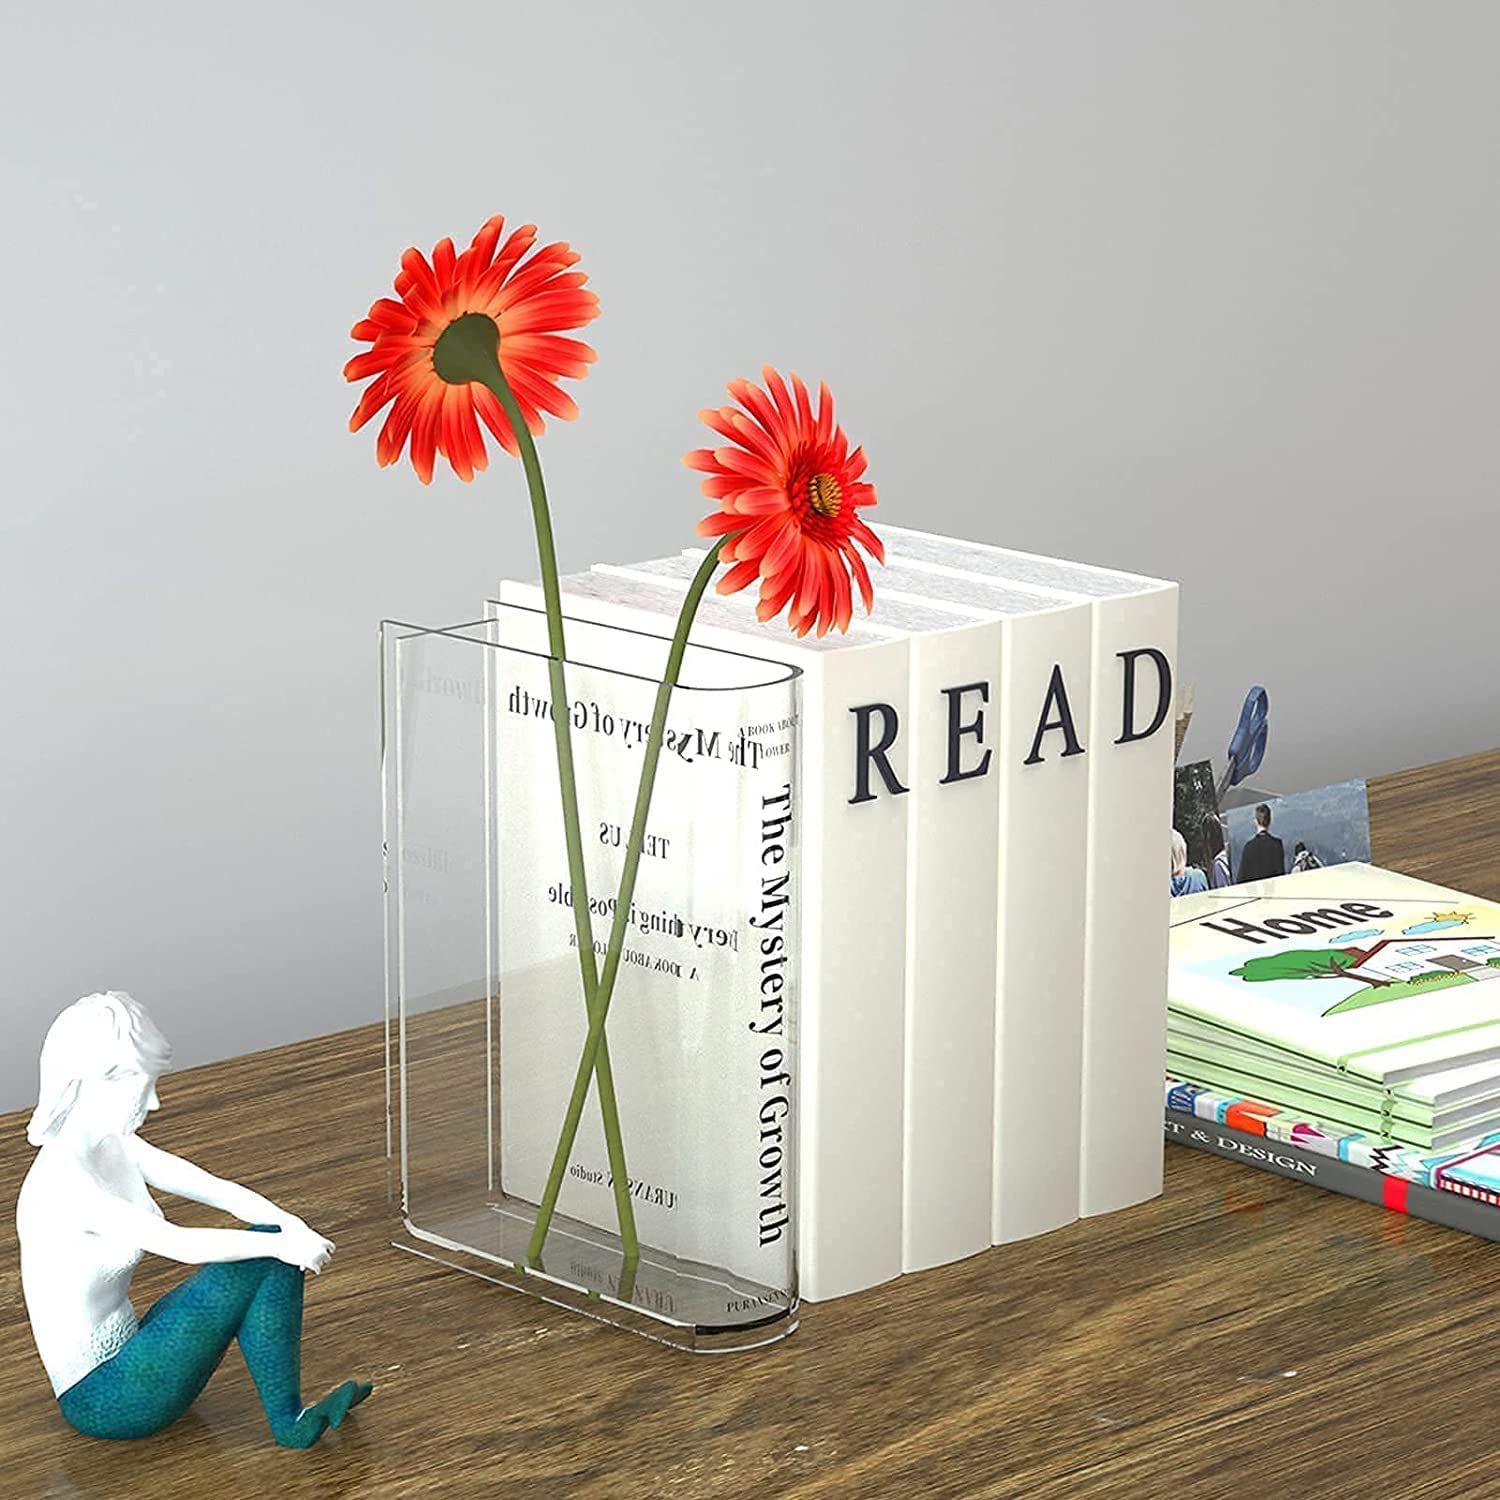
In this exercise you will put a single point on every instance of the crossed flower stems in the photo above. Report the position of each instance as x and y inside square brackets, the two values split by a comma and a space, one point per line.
[468, 350]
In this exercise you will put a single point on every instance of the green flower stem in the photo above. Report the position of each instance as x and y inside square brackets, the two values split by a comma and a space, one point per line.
[469, 350]
[593, 1045]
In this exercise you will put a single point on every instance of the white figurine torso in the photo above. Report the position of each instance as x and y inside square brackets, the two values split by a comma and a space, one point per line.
[76, 1280]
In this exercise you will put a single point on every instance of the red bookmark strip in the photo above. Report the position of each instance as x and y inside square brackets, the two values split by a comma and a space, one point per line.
[1248, 1116]
[1394, 1191]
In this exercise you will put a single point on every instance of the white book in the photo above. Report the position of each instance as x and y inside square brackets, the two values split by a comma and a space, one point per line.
[852, 971]
[1129, 755]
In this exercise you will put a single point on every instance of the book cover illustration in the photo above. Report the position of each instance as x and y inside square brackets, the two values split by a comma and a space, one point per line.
[1375, 975]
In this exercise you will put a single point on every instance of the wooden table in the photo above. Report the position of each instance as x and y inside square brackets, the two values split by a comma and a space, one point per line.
[1241, 1335]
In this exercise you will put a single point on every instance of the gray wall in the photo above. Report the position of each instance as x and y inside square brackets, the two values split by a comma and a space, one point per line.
[1208, 291]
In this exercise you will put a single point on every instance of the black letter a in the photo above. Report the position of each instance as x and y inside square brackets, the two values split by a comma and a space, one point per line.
[1057, 695]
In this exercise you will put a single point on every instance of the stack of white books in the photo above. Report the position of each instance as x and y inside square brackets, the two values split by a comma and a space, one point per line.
[987, 795]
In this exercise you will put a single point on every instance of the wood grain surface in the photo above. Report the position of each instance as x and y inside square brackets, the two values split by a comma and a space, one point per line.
[1241, 1335]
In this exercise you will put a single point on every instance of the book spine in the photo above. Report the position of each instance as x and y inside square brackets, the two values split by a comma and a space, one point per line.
[853, 945]
[1340, 1113]
[854, 986]
[952, 898]
[1134, 650]
[1365, 1183]
[1041, 891]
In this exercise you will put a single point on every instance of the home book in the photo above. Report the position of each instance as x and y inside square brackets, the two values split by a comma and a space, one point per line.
[1421, 1097]
[1407, 1107]
[1126, 696]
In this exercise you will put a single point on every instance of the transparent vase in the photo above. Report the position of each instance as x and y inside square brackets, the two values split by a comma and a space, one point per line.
[487, 1017]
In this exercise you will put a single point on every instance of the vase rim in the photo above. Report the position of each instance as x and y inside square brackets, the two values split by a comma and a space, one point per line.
[773, 673]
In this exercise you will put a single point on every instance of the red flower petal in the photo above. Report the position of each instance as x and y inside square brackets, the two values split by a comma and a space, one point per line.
[754, 400]
[861, 575]
[773, 597]
[724, 486]
[418, 286]
[390, 317]
[397, 429]
[804, 409]
[867, 538]
[476, 259]
[538, 391]
[550, 352]
[492, 414]
[372, 362]
[720, 523]
[825, 415]
[761, 501]
[376, 394]
[786, 546]
[454, 445]
[548, 312]
[741, 575]
[843, 601]
[424, 433]
[737, 461]
[758, 539]
[784, 407]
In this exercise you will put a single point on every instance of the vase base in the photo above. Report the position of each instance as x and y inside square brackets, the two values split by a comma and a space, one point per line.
[686, 1305]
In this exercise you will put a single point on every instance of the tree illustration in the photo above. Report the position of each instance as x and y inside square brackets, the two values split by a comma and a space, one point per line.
[1307, 963]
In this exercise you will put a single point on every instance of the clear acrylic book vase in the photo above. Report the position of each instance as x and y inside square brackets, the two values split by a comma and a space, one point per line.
[486, 1011]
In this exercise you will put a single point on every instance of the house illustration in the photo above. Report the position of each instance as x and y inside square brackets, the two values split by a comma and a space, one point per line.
[1400, 960]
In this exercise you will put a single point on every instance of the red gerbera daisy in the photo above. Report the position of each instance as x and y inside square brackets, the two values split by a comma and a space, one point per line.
[528, 302]
[789, 493]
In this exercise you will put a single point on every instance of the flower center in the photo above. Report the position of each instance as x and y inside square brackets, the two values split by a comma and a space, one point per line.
[824, 495]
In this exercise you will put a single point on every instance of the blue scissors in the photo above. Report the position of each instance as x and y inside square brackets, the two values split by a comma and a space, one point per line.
[1247, 746]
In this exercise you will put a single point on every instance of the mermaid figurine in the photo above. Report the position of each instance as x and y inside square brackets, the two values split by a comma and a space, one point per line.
[85, 1217]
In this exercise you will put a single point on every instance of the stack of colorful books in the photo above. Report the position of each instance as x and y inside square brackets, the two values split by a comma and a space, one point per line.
[1343, 1026]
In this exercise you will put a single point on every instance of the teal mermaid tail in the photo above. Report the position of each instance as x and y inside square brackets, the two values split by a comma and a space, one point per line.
[315, 1420]
[161, 1370]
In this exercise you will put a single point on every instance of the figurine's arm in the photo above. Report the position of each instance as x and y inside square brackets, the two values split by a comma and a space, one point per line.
[175, 1174]
[296, 1246]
